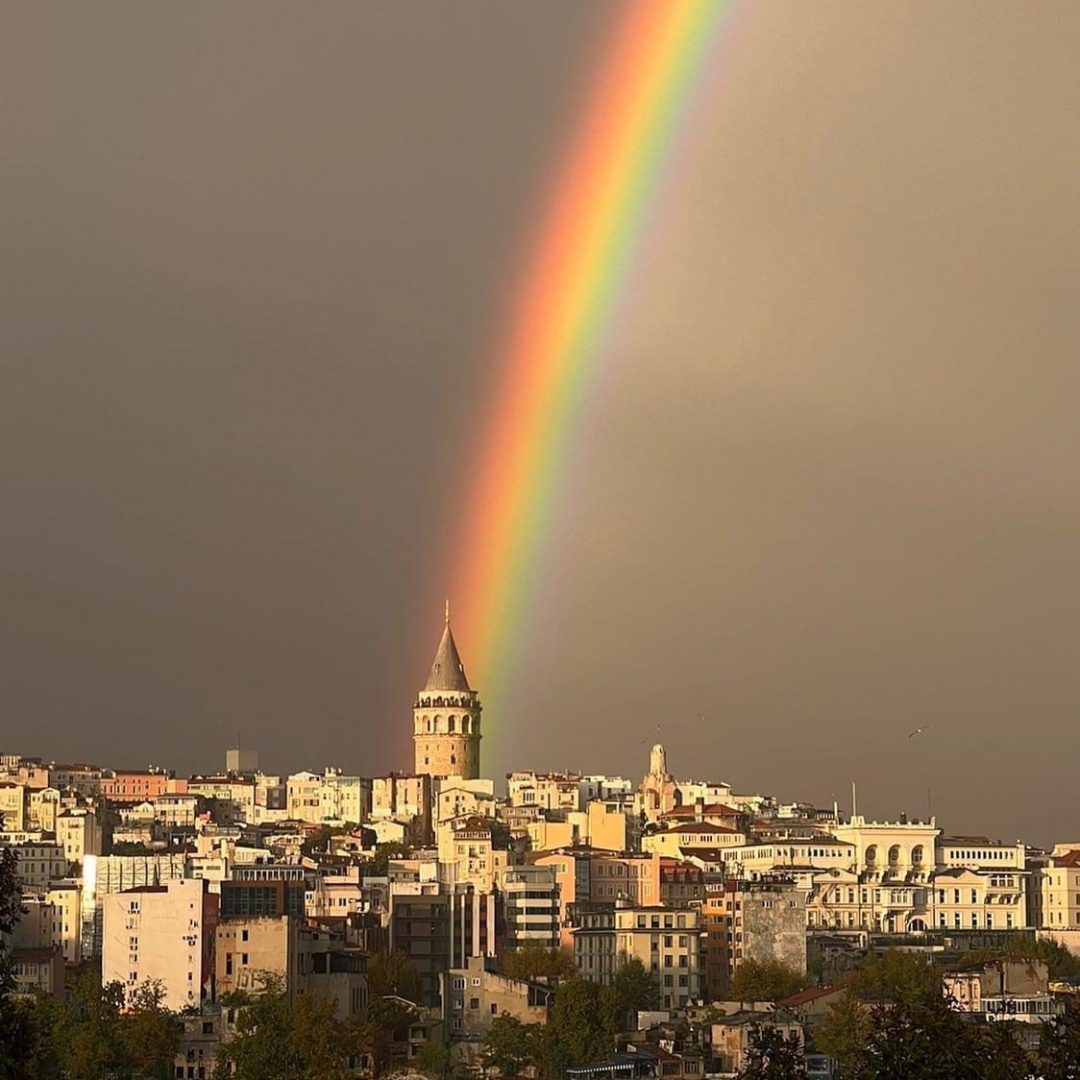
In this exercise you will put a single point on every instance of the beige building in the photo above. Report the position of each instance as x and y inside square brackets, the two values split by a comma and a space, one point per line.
[66, 900]
[664, 940]
[548, 791]
[732, 1034]
[890, 850]
[40, 863]
[474, 997]
[460, 798]
[467, 845]
[979, 900]
[700, 834]
[79, 832]
[1060, 888]
[163, 932]
[42, 806]
[446, 717]
[12, 806]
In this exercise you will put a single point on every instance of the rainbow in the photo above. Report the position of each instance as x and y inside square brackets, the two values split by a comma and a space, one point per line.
[576, 264]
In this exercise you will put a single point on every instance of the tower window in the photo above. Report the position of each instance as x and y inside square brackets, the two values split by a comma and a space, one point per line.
[452, 725]
[453, 759]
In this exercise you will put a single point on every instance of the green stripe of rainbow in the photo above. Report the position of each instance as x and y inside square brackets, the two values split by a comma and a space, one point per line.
[576, 264]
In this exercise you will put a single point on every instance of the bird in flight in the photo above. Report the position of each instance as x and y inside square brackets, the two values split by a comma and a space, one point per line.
[918, 731]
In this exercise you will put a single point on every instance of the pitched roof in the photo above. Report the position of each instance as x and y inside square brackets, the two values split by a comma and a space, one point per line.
[447, 671]
[811, 993]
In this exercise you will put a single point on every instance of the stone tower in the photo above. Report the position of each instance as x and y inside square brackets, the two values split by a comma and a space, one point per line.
[446, 718]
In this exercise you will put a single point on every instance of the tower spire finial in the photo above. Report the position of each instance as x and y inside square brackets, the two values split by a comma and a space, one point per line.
[447, 612]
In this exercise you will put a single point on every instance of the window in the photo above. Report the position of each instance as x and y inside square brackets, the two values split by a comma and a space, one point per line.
[474, 1003]
[243, 935]
[494, 1009]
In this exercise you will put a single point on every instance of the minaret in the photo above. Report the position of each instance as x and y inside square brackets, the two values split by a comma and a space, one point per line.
[446, 718]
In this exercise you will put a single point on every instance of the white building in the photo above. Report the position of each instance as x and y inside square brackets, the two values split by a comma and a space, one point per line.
[530, 905]
[162, 933]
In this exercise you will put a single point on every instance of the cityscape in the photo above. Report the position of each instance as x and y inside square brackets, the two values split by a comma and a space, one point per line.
[539, 540]
[463, 908]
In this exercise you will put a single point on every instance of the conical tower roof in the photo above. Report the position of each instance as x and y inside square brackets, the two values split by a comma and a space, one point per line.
[447, 671]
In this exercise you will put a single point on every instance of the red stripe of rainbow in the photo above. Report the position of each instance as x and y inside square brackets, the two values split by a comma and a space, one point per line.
[580, 255]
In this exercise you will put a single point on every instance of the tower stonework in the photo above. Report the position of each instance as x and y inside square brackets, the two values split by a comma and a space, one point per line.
[446, 717]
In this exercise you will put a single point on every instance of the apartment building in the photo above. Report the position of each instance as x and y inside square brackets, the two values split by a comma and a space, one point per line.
[530, 897]
[548, 791]
[161, 933]
[752, 920]
[473, 997]
[666, 941]
[134, 785]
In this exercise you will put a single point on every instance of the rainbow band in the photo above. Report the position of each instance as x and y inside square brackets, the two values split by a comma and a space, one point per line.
[576, 265]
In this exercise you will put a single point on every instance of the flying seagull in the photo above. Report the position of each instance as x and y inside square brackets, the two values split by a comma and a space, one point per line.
[918, 731]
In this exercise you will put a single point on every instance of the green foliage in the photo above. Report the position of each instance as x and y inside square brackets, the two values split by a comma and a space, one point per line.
[511, 1046]
[581, 1026]
[586, 1017]
[844, 1032]
[133, 847]
[895, 976]
[15, 1034]
[534, 961]
[392, 973]
[93, 1035]
[632, 989]
[773, 1056]
[149, 1033]
[766, 980]
[434, 1060]
[1059, 1047]
[379, 863]
[319, 839]
[276, 1039]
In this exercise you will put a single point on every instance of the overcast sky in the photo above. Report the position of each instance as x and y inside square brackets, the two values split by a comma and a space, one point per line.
[253, 266]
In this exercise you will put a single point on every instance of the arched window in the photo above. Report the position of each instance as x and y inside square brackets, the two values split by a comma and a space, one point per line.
[438, 724]
[464, 725]
[894, 855]
[452, 725]
[453, 759]
[871, 855]
[917, 855]
[427, 727]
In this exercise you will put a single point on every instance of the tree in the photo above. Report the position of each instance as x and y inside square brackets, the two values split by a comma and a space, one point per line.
[90, 1031]
[633, 988]
[1059, 1046]
[510, 1045]
[579, 1027]
[773, 1056]
[895, 976]
[434, 1060]
[843, 1033]
[921, 1037]
[766, 980]
[15, 1032]
[536, 962]
[379, 864]
[149, 1032]
[393, 973]
[279, 1039]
